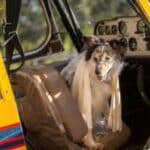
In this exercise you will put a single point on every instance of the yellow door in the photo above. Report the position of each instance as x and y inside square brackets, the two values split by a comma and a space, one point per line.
[11, 133]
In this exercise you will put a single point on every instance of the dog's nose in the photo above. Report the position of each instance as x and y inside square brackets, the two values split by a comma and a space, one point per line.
[97, 71]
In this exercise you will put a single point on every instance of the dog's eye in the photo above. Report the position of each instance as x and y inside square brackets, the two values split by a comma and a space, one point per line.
[95, 59]
[107, 58]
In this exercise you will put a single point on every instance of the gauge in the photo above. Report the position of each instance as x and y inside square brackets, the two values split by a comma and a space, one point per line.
[107, 30]
[140, 26]
[114, 29]
[133, 44]
[122, 27]
[101, 30]
[124, 41]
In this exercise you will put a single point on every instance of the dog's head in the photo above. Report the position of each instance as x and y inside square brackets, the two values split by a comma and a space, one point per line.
[103, 56]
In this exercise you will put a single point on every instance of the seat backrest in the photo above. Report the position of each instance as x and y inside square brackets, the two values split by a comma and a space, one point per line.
[48, 106]
[67, 107]
[41, 119]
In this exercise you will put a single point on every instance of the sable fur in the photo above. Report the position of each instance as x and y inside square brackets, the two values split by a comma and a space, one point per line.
[94, 77]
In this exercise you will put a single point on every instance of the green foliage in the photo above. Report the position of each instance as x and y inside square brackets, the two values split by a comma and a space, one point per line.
[89, 12]
[32, 27]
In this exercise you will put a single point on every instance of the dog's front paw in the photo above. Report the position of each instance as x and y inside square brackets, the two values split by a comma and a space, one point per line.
[91, 144]
[96, 146]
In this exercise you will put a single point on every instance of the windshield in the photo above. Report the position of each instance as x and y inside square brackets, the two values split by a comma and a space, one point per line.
[32, 20]
[89, 12]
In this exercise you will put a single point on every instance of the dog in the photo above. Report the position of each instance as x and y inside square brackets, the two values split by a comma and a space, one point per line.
[93, 77]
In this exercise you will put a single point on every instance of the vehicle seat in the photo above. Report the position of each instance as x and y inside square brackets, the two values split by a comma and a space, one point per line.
[50, 115]
[48, 111]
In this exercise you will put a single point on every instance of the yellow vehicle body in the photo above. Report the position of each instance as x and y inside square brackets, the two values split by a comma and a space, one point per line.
[144, 6]
[11, 133]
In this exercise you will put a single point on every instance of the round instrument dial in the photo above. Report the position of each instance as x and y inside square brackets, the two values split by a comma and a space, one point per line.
[122, 27]
[101, 30]
[133, 44]
[140, 26]
[107, 30]
[114, 29]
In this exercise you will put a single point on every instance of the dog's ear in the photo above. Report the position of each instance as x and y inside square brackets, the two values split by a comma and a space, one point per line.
[120, 46]
[89, 41]
[88, 54]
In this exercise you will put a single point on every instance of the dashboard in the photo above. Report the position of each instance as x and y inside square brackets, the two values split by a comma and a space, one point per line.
[130, 29]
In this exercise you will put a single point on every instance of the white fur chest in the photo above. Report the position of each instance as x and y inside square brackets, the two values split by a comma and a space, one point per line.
[101, 93]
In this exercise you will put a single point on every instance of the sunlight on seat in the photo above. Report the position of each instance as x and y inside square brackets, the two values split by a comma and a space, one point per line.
[49, 97]
[37, 78]
[57, 95]
[45, 75]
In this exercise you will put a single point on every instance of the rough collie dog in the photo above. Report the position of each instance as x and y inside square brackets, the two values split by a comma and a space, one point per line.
[93, 77]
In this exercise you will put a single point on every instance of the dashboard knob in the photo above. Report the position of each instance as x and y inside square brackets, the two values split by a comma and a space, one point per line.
[133, 44]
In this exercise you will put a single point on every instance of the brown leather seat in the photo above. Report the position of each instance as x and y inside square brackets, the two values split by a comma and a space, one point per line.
[50, 115]
[67, 108]
[48, 112]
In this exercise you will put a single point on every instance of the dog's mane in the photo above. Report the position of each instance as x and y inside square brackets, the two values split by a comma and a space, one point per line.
[68, 71]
